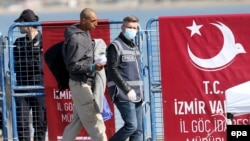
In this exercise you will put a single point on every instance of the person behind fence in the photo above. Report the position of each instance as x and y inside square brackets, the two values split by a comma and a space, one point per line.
[125, 80]
[78, 54]
[29, 72]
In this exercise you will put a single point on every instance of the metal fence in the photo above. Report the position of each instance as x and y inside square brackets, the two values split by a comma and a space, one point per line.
[22, 86]
[154, 75]
[3, 100]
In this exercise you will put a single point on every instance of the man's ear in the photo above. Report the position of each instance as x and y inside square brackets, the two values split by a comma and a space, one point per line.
[83, 20]
[123, 28]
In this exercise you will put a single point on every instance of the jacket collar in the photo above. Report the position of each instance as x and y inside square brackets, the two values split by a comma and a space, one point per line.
[130, 43]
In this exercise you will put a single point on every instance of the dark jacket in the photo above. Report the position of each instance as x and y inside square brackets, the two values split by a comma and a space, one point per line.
[78, 54]
[118, 72]
[28, 60]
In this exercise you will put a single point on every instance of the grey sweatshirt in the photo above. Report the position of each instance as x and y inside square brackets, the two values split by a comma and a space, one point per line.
[79, 54]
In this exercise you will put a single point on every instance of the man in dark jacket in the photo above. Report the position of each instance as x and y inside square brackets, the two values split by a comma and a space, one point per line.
[78, 55]
[125, 81]
[29, 72]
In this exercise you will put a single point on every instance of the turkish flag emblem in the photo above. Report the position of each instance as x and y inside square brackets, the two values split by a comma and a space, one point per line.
[226, 54]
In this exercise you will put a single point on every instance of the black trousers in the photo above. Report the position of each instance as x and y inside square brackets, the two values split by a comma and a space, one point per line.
[37, 105]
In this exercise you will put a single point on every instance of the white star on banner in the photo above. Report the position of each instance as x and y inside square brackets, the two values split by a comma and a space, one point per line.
[195, 29]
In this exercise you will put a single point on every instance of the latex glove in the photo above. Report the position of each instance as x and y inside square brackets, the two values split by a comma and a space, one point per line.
[131, 95]
[102, 59]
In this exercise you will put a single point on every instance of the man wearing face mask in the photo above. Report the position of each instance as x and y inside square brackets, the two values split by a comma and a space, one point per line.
[125, 80]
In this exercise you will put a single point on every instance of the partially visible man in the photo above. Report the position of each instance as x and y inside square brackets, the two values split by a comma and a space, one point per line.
[78, 55]
[29, 71]
[125, 80]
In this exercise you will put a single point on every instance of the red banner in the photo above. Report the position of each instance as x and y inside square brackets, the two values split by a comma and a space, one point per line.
[204, 59]
[60, 107]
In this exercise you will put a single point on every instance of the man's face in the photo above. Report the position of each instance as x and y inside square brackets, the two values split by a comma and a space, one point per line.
[91, 22]
[131, 25]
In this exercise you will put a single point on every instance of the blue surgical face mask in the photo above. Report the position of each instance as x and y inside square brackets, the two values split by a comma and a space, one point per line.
[130, 33]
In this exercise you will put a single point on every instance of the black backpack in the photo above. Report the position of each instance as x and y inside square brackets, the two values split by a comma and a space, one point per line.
[55, 62]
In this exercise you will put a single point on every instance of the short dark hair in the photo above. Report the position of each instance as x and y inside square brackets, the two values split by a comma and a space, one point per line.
[130, 19]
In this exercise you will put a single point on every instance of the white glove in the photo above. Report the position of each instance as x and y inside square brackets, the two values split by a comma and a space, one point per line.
[131, 95]
[102, 59]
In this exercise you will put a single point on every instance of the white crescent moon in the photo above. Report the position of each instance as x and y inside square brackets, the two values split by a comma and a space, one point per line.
[228, 52]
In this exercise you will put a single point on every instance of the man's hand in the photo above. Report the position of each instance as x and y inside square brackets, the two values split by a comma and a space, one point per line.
[99, 66]
[132, 95]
